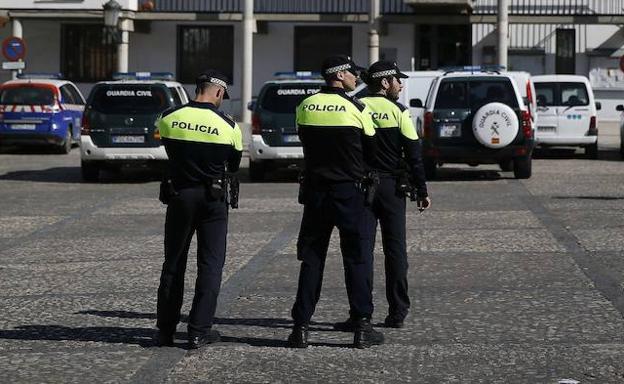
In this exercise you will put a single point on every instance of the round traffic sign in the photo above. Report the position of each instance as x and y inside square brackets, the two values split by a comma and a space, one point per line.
[13, 48]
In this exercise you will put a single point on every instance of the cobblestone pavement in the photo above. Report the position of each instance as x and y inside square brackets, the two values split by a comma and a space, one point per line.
[511, 281]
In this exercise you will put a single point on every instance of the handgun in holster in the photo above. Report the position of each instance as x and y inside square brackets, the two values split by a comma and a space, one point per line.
[370, 184]
[215, 189]
[405, 184]
[301, 179]
[167, 192]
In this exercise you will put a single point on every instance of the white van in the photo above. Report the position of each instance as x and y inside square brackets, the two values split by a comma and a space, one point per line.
[567, 112]
[525, 84]
[416, 86]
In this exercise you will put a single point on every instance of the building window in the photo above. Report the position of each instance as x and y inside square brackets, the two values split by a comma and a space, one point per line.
[200, 48]
[313, 44]
[565, 54]
[88, 53]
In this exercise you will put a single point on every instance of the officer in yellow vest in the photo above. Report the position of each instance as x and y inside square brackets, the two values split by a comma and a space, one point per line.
[398, 159]
[337, 135]
[202, 144]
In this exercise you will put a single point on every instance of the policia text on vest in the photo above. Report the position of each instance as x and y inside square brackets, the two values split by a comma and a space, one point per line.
[203, 146]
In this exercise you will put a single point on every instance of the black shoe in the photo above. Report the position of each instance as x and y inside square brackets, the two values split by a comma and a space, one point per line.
[393, 322]
[165, 339]
[365, 336]
[196, 342]
[345, 326]
[299, 337]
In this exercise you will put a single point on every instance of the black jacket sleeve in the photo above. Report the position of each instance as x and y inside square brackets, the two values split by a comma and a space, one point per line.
[412, 150]
[233, 161]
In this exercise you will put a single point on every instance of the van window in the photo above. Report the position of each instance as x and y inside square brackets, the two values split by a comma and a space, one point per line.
[545, 93]
[176, 97]
[574, 94]
[561, 94]
[123, 98]
[284, 98]
[27, 95]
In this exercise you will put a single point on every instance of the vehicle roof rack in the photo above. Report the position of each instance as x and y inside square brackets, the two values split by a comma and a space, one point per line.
[298, 75]
[40, 75]
[143, 76]
[475, 69]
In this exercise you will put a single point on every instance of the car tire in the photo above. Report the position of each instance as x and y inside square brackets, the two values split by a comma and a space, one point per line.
[431, 168]
[591, 151]
[506, 165]
[257, 171]
[66, 146]
[90, 171]
[522, 167]
[622, 150]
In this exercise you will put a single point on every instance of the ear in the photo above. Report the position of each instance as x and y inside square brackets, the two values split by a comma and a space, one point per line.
[340, 75]
[218, 92]
[385, 83]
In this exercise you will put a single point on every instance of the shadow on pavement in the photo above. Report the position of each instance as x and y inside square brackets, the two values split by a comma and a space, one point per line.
[605, 198]
[71, 175]
[446, 173]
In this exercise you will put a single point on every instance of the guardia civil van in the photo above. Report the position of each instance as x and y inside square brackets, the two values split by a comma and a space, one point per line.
[118, 124]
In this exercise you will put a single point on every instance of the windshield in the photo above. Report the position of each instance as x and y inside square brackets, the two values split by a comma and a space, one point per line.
[27, 95]
[284, 98]
[561, 94]
[123, 98]
[473, 94]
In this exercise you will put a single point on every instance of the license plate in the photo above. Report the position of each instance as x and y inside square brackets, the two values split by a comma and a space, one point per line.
[128, 139]
[450, 130]
[23, 126]
[546, 129]
[291, 138]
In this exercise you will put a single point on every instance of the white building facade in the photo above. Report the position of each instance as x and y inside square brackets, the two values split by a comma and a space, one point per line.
[183, 37]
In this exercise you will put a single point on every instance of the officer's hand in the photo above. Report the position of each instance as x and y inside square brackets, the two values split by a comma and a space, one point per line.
[423, 203]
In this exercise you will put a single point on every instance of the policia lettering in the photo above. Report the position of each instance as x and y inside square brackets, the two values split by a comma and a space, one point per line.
[323, 108]
[203, 146]
[194, 127]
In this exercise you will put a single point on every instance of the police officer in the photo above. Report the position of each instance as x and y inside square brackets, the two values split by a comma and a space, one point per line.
[337, 135]
[398, 152]
[202, 144]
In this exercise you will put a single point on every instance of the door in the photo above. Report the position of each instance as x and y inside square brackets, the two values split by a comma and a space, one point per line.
[547, 109]
[574, 112]
[565, 62]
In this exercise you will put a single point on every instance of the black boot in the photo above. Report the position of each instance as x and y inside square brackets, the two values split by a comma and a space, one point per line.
[393, 322]
[165, 339]
[199, 341]
[345, 326]
[299, 337]
[365, 336]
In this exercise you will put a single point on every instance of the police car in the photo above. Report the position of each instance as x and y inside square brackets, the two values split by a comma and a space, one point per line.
[40, 109]
[274, 138]
[118, 124]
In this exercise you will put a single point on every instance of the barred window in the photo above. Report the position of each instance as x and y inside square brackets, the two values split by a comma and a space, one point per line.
[204, 47]
[314, 44]
[88, 53]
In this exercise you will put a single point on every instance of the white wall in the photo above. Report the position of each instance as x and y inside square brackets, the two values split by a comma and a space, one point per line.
[400, 37]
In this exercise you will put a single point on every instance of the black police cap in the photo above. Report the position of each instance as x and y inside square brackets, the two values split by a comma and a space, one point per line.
[215, 77]
[384, 68]
[337, 63]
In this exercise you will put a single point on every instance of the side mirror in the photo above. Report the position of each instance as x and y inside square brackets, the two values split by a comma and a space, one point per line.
[416, 103]
[598, 105]
[620, 108]
[251, 105]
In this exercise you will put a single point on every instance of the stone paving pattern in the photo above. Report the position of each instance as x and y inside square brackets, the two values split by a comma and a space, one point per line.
[511, 281]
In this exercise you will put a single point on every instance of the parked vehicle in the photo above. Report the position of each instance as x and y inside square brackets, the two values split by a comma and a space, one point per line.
[567, 112]
[40, 109]
[477, 116]
[274, 138]
[620, 108]
[118, 124]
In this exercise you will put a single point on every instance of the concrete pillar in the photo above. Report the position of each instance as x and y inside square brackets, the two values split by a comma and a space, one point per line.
[502, 31]
[248, 29]
[125, 26]
[17, 31]
[373, 31]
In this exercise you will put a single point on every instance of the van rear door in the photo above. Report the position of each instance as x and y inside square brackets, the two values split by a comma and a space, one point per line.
[574, 118]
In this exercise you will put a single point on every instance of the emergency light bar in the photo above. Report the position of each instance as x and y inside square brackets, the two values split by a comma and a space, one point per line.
[300, 75]
[40, 75]
[143, 76]
[475, 68]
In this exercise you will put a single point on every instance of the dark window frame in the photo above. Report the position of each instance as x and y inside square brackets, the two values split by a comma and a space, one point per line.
[298, 65]
[189, 78]
[106, 63]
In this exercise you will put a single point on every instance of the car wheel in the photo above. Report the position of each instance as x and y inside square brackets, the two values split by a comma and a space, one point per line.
[506, 165]
[622, 150]
[431, 168]
[90, 171]
[257, 170]
[522, 167]
[66, 146]
[591, 151]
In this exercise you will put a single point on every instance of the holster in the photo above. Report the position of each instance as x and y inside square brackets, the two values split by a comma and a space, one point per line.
[233, 189]
[369, 185]
[302, 187]
[215, 189]
[167, 192]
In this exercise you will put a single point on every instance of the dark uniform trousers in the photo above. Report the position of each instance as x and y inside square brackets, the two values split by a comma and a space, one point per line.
[389, 210]
[188, 212]
[327, 206]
